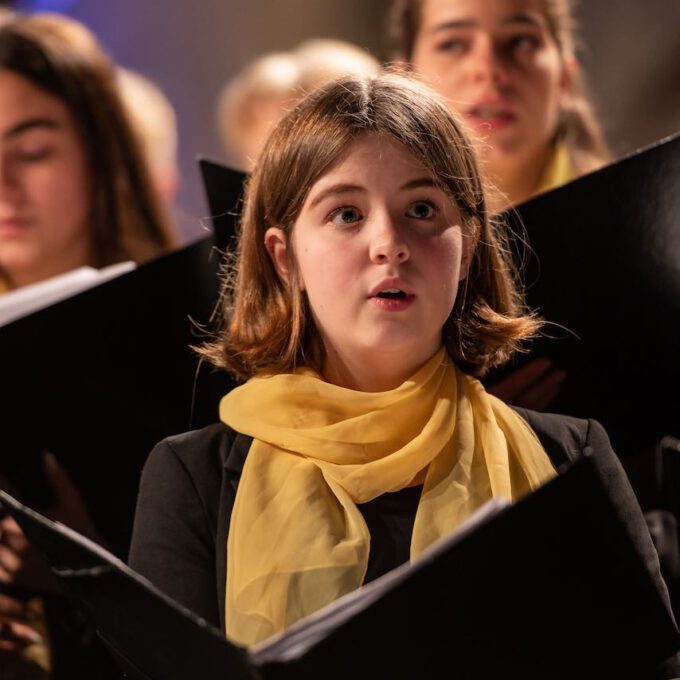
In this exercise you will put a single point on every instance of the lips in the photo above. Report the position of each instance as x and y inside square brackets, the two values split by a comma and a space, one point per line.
[392, 287]
[391, 295]
[11, 226]
[490, 115]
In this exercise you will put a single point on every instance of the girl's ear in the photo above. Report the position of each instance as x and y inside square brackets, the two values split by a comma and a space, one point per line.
[570, 74]
[275, 243]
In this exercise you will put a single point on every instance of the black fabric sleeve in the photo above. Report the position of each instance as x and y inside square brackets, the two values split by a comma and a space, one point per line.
[173, 542]
[598, 445]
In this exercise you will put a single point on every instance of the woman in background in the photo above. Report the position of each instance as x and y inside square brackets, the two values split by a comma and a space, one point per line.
[259, 96]
[74, 187]
[510, 69]
[75, 190]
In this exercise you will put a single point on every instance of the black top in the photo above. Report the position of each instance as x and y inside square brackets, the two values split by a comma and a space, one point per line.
[390, 519]
[189, 485]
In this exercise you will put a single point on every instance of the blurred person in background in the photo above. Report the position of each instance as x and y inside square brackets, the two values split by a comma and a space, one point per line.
[510, 69]
[255, 100]
[75, 190]
[155, 122]
[74, 185]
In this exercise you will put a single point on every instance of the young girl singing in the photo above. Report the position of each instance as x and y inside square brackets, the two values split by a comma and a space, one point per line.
[369, 294]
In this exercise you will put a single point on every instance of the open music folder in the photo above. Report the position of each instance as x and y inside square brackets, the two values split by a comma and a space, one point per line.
[551, 587]
[603, 266]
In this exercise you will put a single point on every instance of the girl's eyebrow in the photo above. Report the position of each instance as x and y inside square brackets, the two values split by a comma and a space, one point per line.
[417, 183]
[30, 124]
[521, 18]
[339, 189]
[334, 190]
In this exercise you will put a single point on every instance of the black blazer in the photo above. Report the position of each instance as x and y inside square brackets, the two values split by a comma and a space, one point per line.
[189, 484]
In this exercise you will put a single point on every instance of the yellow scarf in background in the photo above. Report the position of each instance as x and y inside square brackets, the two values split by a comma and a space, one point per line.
[297, 541]
[558, 170]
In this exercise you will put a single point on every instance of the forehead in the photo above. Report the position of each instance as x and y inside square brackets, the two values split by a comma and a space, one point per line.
[482, 12]
[21, 101]
[373, 158]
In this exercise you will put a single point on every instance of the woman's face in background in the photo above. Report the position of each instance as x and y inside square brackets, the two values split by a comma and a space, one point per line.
[499, 66]
[44, 187]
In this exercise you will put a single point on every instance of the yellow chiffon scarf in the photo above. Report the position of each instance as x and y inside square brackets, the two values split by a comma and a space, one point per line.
[558, 170]
[297, 540]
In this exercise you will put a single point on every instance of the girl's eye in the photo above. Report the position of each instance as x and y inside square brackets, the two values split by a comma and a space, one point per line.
[451, 46]
[421, 210]
[523, 43]
[33, 155]
[345, 215]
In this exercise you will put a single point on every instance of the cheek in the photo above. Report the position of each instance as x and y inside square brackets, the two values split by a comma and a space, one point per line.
[543, 82]
[62, 191]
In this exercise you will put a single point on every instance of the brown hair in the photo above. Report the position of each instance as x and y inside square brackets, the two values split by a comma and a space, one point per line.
[61, 57]
[578, 126]
[267, 325]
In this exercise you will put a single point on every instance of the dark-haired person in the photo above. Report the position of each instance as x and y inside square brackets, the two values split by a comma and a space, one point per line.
[74, 187]
[371, 292]
[75, 190]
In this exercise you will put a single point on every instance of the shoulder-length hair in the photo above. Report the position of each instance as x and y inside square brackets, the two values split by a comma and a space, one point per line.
[578, 126]
[61, 57]
[267, 326]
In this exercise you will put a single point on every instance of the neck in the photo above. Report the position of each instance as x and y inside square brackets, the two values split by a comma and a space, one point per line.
[515, 180]
[377, 372]
[20, 278]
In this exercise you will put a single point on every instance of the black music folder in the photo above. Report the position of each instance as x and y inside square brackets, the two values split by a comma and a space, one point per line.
[99, 378]
[223, 190]
[549, 588]
[605, 268]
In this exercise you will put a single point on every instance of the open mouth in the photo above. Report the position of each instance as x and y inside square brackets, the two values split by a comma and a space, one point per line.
[392, 294]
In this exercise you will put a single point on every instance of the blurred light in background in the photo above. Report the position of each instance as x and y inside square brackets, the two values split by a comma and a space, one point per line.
[45, 5]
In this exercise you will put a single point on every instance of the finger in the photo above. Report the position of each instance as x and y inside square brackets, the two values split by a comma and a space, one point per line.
[70, 507]
[9, 560]
[17, 633]
[512, 387]
[12, 535]
[533, 369]
[543, 392]
[14, 608]
[58, 478]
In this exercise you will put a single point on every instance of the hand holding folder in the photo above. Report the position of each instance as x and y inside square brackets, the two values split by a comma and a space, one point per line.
[551, 587]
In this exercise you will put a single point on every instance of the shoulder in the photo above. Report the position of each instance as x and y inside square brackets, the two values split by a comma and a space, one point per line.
[201, 454]
[566, 438]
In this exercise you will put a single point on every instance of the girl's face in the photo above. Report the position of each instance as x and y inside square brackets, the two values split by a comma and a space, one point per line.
[44, 191]
[380, 252]
[499, 66]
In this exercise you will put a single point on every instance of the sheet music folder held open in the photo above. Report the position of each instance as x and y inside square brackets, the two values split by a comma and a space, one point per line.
[551, 587]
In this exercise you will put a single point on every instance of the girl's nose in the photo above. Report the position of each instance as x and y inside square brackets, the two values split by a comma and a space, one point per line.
[486, 62]
[388, 244]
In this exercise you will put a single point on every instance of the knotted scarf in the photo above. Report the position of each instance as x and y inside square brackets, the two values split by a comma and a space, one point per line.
[297, 540]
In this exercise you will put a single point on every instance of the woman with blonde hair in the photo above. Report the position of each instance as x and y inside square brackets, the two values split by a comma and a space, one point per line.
[255, 100]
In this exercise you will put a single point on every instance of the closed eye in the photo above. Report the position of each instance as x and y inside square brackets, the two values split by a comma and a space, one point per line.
[451, 45]
[345, 215]
[422, 210]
